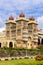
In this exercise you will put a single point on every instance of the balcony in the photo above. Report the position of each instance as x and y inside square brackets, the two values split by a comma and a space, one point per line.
[25, 36]
[35, 39]
[19, 38]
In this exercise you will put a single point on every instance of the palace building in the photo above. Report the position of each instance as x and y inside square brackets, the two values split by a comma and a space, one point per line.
[21, 33]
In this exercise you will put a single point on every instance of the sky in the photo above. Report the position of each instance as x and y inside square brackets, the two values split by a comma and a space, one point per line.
[15, 7]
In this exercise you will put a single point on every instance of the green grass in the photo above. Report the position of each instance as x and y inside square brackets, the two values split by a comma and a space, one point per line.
[21, 62]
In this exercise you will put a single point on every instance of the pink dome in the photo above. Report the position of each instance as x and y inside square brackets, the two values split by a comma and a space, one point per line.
[11, 18]
[21, 15]
[32, 18]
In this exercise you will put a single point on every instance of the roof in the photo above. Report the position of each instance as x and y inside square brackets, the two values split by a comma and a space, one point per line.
[22, 18]
[32, 22]
[10, 21]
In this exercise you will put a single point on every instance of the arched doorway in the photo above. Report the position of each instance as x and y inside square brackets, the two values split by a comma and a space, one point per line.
[0, 44]
[29, 38]
[42, 41]
[10, 44]
[38, 41]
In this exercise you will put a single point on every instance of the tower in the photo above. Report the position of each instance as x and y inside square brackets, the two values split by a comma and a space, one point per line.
[33, 32]
[21, 31]
[11, 29]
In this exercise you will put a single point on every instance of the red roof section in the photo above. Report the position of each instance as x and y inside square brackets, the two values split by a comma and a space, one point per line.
[32, 18]
[11, 18]
[22, 15]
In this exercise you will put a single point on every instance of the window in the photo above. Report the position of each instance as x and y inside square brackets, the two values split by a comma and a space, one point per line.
[28, 43]
[25, 22]
[35, 38]
[7, 32]
[30, 26]
[35, 25]
[30, 31]
[19, 22]
[19, 32]
[35, 43]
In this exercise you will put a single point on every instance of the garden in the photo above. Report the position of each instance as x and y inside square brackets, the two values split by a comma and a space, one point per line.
[21, 62]
[13, 53]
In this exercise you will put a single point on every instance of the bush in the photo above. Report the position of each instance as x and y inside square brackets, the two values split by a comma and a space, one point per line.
[38, 57]
[42, 57]
[31, 57]
[6, 59]
[15, 58]
[12, 58]
[39, 64]
[20, 58]
[0, 59]
[40, 47]
[26, 57]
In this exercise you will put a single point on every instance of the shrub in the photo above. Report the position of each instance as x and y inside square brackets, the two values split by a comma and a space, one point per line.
[15, 58]
[0, 59]
[26, 57]
[40, 47]
[38, 57]
[42, 57]
[12, 58]
[20, 58]
[31, 57]
[6, 59]
[39, 64]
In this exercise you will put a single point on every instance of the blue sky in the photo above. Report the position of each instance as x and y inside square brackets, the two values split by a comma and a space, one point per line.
[15, 7]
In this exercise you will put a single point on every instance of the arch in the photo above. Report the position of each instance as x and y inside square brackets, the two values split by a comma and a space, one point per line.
[29, 38]
[0, 44]
[10, 44]
[38, 41]
[42, 41]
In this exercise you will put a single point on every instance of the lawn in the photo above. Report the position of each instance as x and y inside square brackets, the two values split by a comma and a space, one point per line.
[21, 62]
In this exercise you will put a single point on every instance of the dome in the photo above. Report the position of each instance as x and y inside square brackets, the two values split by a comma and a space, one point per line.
[32, 18]
[22, 15]
[11, 18]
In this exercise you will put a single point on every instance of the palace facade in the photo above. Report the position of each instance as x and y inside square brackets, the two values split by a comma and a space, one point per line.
[21, 33]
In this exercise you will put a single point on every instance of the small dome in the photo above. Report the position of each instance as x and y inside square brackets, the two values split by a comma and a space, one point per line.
[11, 18]
[32, 18]
[21, 15]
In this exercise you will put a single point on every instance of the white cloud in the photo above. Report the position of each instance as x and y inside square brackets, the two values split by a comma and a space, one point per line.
[19, 4]
[11, 7]
[40, 22]
[2, 29]
[1, 23]
[37, 2]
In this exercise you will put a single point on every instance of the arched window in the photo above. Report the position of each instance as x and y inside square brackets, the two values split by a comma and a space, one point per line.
[29, 38]
[0, 44]
[38, 41]
[42, 41]
[11, 44]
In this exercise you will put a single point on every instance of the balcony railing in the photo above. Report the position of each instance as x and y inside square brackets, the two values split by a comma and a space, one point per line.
[25, 35]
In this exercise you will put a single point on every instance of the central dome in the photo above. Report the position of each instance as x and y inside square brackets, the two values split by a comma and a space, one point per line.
[22, 15]
[11, 18]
